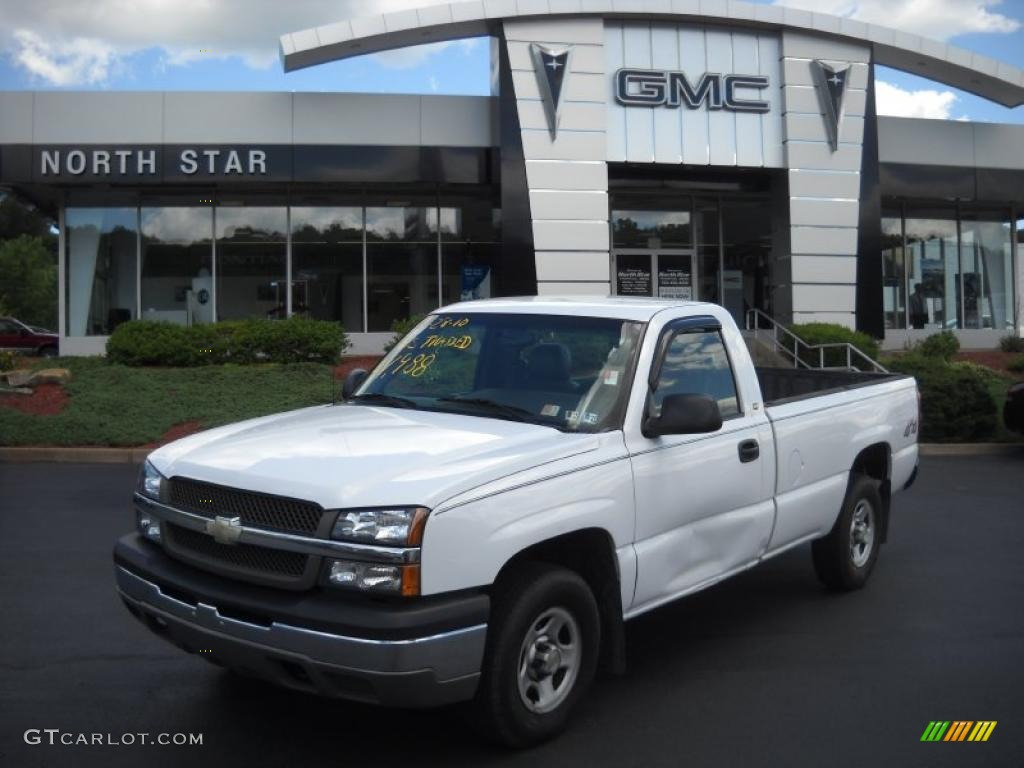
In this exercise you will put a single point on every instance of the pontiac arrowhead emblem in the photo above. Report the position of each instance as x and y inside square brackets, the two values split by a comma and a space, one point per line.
[831, 85]
[225, 530]
[552, 69]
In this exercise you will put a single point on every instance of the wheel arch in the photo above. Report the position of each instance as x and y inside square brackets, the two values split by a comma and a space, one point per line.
[875, 461]
[589, 552]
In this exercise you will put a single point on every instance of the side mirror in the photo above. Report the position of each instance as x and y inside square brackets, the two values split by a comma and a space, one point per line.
[352, 382]
[684, 414]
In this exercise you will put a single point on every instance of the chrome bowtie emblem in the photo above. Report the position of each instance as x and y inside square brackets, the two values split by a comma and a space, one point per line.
[225, 530]
[831, 84]
[552, 69]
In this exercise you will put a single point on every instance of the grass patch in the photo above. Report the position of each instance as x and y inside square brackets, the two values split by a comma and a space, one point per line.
[121, 406]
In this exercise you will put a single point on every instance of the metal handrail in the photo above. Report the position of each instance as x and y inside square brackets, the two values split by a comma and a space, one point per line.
[793, 345]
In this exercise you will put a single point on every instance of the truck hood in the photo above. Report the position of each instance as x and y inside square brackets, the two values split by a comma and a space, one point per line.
[356, 455]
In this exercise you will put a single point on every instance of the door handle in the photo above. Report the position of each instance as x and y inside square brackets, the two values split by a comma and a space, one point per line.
[749, 450]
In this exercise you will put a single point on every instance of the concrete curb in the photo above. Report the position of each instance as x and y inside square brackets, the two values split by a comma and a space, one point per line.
[100, 455]
[86, 455]
[972, 449]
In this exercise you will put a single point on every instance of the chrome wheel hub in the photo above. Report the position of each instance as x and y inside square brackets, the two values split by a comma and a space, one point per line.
[862, 533]
[549, 660]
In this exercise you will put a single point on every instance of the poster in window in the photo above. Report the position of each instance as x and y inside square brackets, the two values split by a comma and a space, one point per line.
[632, 281]
[674, 283]
[476, 282]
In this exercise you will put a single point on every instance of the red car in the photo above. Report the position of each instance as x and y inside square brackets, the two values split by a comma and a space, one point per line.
[16, 336]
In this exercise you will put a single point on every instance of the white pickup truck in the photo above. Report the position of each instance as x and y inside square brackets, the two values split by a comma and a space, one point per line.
[482, 513]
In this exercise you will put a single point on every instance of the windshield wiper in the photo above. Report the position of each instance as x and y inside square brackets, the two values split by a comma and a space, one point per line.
[495, 408]
[380, 398]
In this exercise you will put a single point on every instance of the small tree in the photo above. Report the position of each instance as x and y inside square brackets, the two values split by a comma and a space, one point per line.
[28, 281]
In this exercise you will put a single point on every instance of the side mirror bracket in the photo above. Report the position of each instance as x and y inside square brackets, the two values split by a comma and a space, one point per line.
[352, 382]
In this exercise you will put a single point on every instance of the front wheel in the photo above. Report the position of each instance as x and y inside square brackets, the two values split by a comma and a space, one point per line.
[843, 559]
[541, 654]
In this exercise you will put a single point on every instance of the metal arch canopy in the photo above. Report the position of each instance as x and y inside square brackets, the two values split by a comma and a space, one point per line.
[991, 79]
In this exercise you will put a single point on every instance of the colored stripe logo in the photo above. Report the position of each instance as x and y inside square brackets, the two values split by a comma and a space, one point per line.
[958, 730]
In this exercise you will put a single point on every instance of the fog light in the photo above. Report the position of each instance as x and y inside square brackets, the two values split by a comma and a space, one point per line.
[374, 577]
[148, 526]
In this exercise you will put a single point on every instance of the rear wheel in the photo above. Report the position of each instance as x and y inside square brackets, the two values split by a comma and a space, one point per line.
[541, 654]
[48, 352]
[843, 560]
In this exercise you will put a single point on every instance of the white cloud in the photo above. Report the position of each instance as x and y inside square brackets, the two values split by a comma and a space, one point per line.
[82, 60]
[71, 42]
[940, 19]
[895, 101]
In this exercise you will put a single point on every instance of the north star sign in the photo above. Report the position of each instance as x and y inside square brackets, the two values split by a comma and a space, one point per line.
[143, 162]
[662, 87]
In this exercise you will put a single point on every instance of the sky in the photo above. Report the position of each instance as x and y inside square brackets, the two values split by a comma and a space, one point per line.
[232, 45]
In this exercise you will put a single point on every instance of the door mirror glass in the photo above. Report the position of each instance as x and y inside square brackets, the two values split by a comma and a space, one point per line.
[684, 414]
[352, 382]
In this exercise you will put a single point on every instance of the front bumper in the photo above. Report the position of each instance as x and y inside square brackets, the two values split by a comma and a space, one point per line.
[420, 655]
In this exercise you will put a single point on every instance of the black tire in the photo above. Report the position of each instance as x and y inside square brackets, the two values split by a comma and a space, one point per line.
[839, 564]
[521, 601]
[48, 352]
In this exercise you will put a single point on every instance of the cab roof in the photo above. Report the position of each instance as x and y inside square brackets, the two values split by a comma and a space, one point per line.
[621, 307]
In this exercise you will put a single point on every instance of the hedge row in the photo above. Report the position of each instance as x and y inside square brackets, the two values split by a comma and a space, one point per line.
[295, 340]
[956, 398]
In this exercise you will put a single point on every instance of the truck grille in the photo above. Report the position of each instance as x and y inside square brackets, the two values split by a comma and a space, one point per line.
[260, 510]
[241, 560]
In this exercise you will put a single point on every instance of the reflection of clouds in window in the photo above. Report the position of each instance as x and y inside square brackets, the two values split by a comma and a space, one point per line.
[697, 363]
[177, 225]
[257, 222]
[324, 219]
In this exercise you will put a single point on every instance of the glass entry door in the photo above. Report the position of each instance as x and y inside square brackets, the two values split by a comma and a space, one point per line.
[664, 273]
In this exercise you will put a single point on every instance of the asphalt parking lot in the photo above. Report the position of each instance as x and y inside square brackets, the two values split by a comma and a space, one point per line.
[766, 669]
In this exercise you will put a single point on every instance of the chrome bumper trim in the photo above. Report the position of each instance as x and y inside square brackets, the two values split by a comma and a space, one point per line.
[286, 541]
[449, 655]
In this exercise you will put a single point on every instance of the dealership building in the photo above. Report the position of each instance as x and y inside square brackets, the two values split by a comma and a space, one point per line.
[695, 149]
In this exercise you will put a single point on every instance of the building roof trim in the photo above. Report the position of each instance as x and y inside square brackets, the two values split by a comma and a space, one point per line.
[986, 77]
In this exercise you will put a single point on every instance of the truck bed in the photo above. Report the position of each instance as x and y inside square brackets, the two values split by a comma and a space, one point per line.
[786, 385]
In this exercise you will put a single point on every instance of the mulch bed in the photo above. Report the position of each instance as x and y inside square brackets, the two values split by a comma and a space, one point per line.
[991, 358]
[45, 400]
[184, 429]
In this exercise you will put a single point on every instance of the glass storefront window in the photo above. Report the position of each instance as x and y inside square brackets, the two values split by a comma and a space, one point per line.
[651, 229]
[402, 264]
[102, 259]
[986, 262]
[177, 251]
[746, 257]
[251, 254]
[932, 270]
[327, 264]
[894, 278]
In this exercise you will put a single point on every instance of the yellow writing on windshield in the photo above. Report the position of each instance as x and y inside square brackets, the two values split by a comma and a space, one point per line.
[453, 342]
[412, 365]
[449, 322]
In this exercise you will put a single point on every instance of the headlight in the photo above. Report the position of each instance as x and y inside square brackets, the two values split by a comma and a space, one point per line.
[402, 527]
[150, 481]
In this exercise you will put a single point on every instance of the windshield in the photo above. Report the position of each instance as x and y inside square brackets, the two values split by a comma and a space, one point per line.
[571, 373]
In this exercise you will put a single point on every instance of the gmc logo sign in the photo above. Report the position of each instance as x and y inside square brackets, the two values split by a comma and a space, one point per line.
[661, 87]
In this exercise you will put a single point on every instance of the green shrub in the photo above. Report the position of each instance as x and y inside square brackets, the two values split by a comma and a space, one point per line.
[1017, 365]
[832, 333]
[1011, 343]
[400, 327]
[295, 340]
[942, 345]
[956, 400]
[8, 360]
[154, 342]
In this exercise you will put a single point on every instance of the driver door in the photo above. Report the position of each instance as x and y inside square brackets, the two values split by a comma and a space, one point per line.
[704, 502]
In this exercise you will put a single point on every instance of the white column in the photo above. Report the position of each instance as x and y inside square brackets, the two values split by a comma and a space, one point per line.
[824, 185]
[567, 176]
